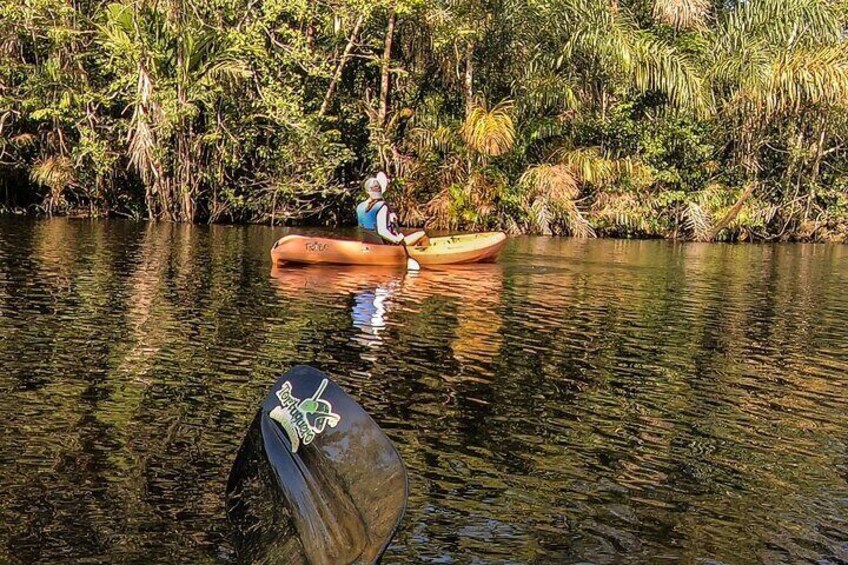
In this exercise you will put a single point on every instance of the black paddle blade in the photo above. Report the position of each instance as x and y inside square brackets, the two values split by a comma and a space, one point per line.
[316, 481]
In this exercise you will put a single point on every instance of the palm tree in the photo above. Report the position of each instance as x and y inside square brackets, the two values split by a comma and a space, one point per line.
[600, 44]
[463, 184]
[780, 72]
[179, 71]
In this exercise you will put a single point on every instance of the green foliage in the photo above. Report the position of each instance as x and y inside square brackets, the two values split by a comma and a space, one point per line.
[582, 117]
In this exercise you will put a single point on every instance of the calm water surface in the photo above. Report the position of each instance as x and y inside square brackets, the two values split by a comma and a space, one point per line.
[600, 401]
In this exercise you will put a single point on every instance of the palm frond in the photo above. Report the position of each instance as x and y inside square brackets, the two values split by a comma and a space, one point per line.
[55, 172]
[142, 139]
[806, 77]
[682, 14]
[489, 132]
[588, 165]
[783, 23]
[540, 216]
[577, 224]
[23, 139]
[662, 67]
[543, 88]
[609, 34]
[551, 192]
[625, 212]
[228, 70]
[440, 211]
[697, 220]
[556, 182]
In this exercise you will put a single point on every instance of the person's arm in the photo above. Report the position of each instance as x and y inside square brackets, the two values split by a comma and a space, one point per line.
[383, 229]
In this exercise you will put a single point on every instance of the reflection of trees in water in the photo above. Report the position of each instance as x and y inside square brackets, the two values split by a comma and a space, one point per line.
[769, 416]
[59, 366]
[147, 317]
[644, 412]
[643, 364]
[603, 400]
[136, 405]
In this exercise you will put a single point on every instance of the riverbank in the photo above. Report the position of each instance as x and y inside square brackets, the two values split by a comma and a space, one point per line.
[811, 232]
[584, 118]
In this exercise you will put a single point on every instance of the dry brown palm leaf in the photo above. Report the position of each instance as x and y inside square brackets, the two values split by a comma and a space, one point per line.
[439, 211]
[553, 190]
[589, 165]
[575, 222]
[56, 172]
[540, 216]
[682, 14]
[23, 139]
[556, 182]
[624, 210]
[697, 220]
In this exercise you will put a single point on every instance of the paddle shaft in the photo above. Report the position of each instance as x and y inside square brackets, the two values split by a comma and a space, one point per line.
[411, 263]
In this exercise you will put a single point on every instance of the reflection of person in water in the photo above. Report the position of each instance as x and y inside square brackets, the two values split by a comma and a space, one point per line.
[370, 308]
[373, 294]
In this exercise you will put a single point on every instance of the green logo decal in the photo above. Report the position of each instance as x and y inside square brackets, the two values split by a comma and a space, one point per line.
[304, 419]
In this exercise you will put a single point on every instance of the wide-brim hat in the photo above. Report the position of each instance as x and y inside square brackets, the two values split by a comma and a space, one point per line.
[376, 185]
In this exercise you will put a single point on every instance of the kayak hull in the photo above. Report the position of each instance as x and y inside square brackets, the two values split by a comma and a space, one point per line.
[451, 250]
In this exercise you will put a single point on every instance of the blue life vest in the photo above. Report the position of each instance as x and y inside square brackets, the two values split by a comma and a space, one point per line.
[368, 218]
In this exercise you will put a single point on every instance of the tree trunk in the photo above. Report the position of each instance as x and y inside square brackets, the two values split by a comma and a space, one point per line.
[814, 175]
[164, 186]
[325, 105]
[469, 77]
[184, 168]
[310, 33]
[186, 212]
[148, 200]
[190, 190]
[384, 71]
[732, 213]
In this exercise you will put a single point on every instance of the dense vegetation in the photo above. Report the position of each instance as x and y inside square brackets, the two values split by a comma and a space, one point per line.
[676, 118]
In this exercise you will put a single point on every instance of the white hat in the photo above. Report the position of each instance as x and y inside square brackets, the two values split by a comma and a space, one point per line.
[383, 180]
[376, 186]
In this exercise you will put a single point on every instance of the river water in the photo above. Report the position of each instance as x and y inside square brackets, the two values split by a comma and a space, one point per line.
[579, 401]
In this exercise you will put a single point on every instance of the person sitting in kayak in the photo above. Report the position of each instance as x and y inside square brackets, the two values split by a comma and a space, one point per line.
[376, 220]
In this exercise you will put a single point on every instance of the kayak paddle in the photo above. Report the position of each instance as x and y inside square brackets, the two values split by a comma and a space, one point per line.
[411, 264]
[315, 481]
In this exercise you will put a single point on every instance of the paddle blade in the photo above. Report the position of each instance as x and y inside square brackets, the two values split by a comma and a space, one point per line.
[316, 481]
[412, 264]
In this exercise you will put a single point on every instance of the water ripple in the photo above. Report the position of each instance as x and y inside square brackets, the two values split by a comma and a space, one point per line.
[579, 401]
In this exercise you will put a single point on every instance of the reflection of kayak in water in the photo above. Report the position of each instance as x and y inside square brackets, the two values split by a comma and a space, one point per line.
[471, 294]
[331, 279]
[475, 283]
[452, 250]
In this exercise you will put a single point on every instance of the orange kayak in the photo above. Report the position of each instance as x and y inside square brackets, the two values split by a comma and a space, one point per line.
[451, 250]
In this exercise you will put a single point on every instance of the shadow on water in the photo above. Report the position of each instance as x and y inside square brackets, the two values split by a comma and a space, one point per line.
[604, 401]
